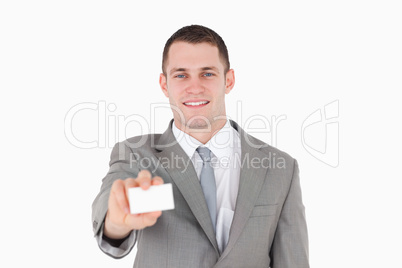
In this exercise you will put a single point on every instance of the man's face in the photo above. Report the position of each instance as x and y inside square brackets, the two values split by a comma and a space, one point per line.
[196, 84]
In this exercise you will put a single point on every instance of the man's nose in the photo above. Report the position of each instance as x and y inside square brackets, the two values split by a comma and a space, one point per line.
[195, 86]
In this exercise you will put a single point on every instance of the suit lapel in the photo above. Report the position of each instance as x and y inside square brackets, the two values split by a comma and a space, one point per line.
[251, 181]
[183, 174]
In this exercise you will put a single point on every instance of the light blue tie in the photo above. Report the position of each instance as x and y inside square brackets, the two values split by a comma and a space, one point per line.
[207, 179]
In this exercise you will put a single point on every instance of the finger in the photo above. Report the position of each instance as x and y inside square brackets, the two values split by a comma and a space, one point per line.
[119, 194]
[130, 183]
[140, 221]
[144, 179]
[150, 219]
[157, 181]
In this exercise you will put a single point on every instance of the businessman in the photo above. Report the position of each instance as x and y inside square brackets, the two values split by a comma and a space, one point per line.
[237, 200]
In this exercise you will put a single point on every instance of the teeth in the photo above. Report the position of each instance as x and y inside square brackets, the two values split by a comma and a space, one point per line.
[196, 103]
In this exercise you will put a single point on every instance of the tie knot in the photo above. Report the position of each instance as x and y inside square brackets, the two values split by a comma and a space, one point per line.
[205, 153]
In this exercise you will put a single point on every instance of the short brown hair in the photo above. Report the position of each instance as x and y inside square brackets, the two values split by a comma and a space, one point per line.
[195, 34]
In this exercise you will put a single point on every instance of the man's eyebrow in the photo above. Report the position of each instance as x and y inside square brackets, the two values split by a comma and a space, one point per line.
[210, 68]
[207, 68]
[177, 70]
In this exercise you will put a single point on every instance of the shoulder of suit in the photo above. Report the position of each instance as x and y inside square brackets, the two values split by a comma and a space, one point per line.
[269, 150]
[262, 146]
[145, 137]
[146, 140]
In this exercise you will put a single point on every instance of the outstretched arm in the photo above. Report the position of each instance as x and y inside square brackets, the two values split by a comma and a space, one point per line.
[110, 211]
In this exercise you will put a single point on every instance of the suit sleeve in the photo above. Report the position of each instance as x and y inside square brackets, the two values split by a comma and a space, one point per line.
[122, 165]
[290, 245]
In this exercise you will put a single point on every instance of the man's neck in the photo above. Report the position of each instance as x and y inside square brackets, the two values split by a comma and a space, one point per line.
[203, 135]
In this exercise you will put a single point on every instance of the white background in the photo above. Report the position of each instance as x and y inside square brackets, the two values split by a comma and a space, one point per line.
[290, 58]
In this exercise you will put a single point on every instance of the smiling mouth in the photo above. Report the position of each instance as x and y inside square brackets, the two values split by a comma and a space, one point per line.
[196, 103]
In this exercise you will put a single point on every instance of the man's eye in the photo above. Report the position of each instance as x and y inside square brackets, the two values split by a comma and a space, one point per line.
[208, 74]
[180, 76]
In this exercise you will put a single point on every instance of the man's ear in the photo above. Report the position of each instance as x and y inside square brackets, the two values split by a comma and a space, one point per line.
[163, 84]
[230, 81]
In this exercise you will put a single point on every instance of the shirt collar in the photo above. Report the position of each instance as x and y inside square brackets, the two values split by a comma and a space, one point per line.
[221, 144]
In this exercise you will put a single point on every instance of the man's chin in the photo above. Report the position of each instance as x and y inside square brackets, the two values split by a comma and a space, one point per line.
[199, 124]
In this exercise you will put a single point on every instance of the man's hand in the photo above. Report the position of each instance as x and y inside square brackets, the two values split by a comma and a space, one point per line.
[119, 222]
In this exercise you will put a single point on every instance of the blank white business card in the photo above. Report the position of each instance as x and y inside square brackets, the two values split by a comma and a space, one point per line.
[156, 198]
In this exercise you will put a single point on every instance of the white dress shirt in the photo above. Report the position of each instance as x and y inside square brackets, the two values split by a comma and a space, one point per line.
[226, 151]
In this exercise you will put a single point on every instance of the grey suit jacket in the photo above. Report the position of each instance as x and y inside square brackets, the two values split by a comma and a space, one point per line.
[268, 229]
